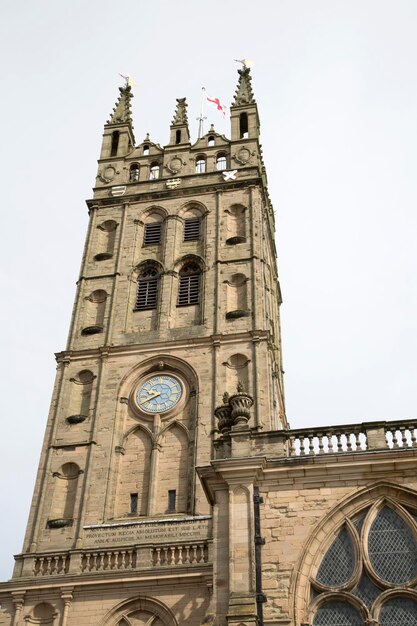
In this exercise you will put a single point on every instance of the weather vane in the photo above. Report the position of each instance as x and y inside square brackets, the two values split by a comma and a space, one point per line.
[129, 80]
[247, 63]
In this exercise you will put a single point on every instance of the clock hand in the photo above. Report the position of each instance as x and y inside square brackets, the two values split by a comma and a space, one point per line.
[155, 395]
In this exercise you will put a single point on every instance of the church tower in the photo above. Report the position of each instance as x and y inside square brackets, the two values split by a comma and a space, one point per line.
[175, 322]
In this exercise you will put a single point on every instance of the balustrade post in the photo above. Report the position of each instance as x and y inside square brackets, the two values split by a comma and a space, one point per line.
[375, 436]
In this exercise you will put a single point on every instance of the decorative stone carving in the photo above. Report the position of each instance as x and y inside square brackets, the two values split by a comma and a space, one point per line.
[175, 165]
[241, 403]
[173, 182]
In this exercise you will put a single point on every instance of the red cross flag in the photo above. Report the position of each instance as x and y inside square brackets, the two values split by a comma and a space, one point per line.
[215, 102]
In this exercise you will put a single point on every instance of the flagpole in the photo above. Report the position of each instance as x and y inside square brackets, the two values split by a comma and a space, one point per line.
[201, 118]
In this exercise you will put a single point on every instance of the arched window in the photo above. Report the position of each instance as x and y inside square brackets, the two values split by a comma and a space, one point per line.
[189, 284]
[145, 150]
[178, 136]
[243, 126]
[210, 141]
[134, 173]
[221, 162]
[147, 293]
[154, 171]
[200, 165]
[385, 538]
[114, 143]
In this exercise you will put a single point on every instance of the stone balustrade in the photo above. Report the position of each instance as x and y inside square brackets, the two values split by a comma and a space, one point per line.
[108, 560]
[188, 554]
[51, 565]
[123, 559]
[352, 438]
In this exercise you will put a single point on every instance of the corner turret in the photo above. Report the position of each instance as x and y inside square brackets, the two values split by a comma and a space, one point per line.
[118, 137]
[180, 133]
[244, 116]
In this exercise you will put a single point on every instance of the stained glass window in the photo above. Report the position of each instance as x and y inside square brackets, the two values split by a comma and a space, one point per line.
[337, 614]
[367, 591]
[392, 547]
[398, 612]
[341, 552]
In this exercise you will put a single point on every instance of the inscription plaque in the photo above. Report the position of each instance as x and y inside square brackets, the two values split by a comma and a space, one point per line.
[166, 531]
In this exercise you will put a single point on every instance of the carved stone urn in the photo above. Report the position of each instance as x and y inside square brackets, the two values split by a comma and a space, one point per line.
[241, 403]
[224, 415]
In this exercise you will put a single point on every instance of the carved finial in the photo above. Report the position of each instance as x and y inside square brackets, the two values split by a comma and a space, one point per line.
[212, 128]
[180, 115]
[122, 113]
[226, 397]
[240, 387]
[161, 365]
[244, 93]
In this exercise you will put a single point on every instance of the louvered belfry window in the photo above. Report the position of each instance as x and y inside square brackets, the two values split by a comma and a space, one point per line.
[189, 285]
[147, 293]
[192, 229]
[152, 233]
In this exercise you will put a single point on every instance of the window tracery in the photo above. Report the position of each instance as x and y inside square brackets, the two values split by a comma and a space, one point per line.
[369, 571]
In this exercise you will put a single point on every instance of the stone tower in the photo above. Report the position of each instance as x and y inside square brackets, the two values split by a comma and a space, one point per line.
[177, 307]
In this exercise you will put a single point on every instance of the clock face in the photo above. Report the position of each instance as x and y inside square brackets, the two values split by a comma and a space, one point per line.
[159, 394]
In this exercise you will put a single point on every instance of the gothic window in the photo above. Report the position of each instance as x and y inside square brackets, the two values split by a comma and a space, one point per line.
[147, 292]
[134, 173]
[154, 171]
[221, 161]
[189, 284]
[200, 165]
[370, 560]
[192, 229]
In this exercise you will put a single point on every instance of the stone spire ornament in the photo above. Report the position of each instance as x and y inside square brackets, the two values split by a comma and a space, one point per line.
[244, 93]
[180, 115]
[122, 112]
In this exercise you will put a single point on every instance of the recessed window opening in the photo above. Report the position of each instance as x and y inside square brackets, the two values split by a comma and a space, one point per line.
[192, 229]
[147, 293]
[152, 235]
[221, 162]
[200, 165]
[172, 500]
[145, 150]
[189, 285]
[154, 171]
[177, 136]
[133, 503]
[243, 126]
[114, 143]
[210, 141]
[134, 173]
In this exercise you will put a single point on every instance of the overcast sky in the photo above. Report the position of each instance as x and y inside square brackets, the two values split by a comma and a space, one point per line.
[336, 86]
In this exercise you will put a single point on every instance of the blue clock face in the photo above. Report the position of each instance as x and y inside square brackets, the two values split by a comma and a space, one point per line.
[159, 394]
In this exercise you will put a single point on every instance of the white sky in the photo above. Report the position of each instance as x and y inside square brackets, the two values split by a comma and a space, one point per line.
[336, 86]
